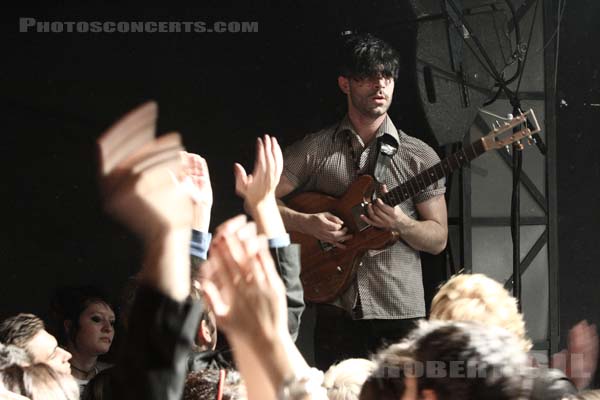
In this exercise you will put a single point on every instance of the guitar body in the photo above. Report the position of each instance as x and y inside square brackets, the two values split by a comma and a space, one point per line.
[328, 271]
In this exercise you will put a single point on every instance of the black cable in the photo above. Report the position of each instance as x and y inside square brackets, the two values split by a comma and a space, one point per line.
[537, 2]
[513, 12]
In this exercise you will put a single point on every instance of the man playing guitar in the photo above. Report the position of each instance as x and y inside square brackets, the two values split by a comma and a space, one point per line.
[386, 297]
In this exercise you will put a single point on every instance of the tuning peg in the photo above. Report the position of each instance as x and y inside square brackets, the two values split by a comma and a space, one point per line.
[507, 148]
[509, 116]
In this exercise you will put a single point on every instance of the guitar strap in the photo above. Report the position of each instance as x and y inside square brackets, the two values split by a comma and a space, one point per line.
[387, 146]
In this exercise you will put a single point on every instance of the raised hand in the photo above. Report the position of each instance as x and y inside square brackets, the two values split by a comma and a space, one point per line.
[196, 168]
[582, 353]
[261, 183]
[258, 188]
[242, 286]
[139, 180]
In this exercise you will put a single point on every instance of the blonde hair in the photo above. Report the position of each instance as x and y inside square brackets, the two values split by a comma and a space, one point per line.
[475, 297]
[343, 381]
[39, 382]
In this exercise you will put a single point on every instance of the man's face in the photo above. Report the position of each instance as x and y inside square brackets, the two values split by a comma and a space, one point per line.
[371, 97]
[44, 349]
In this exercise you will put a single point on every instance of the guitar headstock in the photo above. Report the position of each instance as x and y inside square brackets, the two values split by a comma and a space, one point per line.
[502, 135]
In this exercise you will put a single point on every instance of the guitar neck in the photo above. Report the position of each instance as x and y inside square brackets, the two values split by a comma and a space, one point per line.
[431, 175]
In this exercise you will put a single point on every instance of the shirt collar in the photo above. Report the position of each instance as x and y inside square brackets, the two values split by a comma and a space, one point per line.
[387, 126]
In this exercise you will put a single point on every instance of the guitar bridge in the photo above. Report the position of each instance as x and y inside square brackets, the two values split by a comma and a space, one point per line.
[357, 211]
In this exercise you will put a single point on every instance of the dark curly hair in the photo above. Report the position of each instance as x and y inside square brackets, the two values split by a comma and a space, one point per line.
[364, 56]
[204, 384]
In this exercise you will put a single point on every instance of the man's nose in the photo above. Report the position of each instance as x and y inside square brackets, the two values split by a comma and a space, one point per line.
[66, 355]
[380, 82]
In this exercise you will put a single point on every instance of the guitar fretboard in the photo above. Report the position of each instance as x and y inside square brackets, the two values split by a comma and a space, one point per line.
[431, 175]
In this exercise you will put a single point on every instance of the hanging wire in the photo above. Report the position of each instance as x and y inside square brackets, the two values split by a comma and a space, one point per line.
[517, 26]
[533, 22]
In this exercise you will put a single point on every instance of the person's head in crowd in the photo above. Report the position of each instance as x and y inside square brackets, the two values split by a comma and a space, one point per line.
[86, 320]
[28, 332]
[475, 297]
[368, 67]
[206, 383]
[39, 382]
[452, 360]
[344, 380]
[206, 337]
[10, 355]
[585, 395]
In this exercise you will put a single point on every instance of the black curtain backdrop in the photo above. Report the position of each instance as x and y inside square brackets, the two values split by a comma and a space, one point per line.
[579, 164]
[219, 90]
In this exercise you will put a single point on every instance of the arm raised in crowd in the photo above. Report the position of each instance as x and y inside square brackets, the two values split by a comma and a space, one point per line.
[258, 191]
[144, 188]
[248, 298]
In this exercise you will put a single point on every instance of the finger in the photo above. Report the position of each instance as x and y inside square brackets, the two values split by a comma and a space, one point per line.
[331, 226]
[339, 233]
[384, 188]
[203, 167]
[259, 163]
[278, 156]
[386, 209]
[213, 297]
[223, 263]
[333, 218]
[269, 158]
[230, 226]
[247, 231]
[234, 257]
[241, 179]
[267, 267]
[248, 239]
[370, 221]
[256, 263]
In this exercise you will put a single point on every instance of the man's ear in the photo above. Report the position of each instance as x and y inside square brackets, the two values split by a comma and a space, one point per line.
[205, 332]
[344, 84]
[68, 324]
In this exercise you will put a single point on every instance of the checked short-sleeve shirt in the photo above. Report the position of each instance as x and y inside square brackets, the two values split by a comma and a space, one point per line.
[389, 284]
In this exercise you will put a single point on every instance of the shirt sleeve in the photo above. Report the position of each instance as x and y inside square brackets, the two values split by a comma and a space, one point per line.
[299, 161]
[200, 243]
[423, 158]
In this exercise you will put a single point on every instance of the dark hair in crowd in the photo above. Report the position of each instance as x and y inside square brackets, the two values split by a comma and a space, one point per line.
[204, 384]
[492, 362]
[497, 355]
[20, 329]
[68, 305]
[364, 56]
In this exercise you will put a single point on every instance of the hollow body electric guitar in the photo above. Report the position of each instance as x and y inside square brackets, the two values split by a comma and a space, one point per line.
[327, 271]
